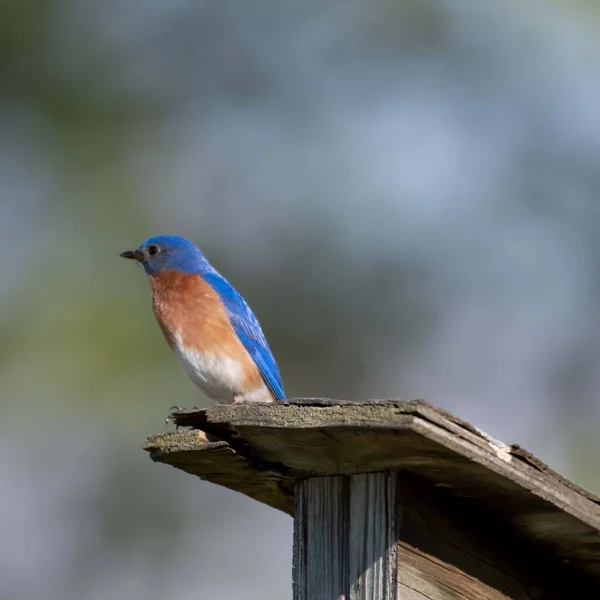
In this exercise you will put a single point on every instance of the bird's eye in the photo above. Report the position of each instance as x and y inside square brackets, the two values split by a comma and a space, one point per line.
[153, 250]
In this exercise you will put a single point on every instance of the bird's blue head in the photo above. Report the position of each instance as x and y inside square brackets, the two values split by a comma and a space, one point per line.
[169, 253]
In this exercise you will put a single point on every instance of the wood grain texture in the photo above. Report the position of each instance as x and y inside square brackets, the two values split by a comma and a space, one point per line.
[320, 533]
[218, 462]
[392, 536]
[408, 593]
[372, 536]
[453, 548]
[344, 538]
[265, 449]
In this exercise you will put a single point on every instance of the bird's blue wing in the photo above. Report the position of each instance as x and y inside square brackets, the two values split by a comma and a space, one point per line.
[248, 330]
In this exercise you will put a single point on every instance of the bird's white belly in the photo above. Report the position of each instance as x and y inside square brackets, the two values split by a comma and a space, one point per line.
[218, 377]
[221, 378]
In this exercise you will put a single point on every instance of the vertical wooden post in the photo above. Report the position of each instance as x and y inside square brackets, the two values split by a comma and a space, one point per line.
[344, 538]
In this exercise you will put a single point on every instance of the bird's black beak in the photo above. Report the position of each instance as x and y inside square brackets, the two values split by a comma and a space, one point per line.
[136, 254]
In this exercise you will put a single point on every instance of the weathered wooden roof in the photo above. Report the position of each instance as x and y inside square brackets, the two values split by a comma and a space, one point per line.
[260, 450]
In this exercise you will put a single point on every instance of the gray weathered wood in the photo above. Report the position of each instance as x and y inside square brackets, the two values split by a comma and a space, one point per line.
[218, 462]
[320, 529]
[344, 538]
[472, 517]
[389, 536]
[372, 536]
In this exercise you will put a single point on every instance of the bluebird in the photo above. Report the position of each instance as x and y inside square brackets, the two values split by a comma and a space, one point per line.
[206, 322]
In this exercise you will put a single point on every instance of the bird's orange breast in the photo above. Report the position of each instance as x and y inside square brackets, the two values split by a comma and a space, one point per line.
[190, 313]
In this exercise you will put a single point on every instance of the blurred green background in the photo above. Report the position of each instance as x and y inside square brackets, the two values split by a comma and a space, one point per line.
[406, 192]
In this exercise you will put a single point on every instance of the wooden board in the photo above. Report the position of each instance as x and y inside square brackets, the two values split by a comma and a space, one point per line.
[269, 446]
[218, 462]
[453, 548]
[345, 538]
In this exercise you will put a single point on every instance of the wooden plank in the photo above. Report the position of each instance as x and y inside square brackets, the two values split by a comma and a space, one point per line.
[372, 536]
[344, 538]
[218, 462]
[269, 447]
[452, 548]
[299, 574]
[437, 580]
[320, 568]
[405, 592]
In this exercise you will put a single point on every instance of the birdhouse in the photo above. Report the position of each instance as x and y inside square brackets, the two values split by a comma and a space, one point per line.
[396, 500]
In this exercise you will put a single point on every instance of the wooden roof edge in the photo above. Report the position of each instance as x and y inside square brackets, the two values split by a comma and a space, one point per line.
[205, 417]
[509, 461]
[216, 461]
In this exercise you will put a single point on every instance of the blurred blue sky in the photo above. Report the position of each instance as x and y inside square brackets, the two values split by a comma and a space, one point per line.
[405, 191]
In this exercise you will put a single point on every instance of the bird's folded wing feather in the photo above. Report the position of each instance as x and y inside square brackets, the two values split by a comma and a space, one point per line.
[249, 332]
